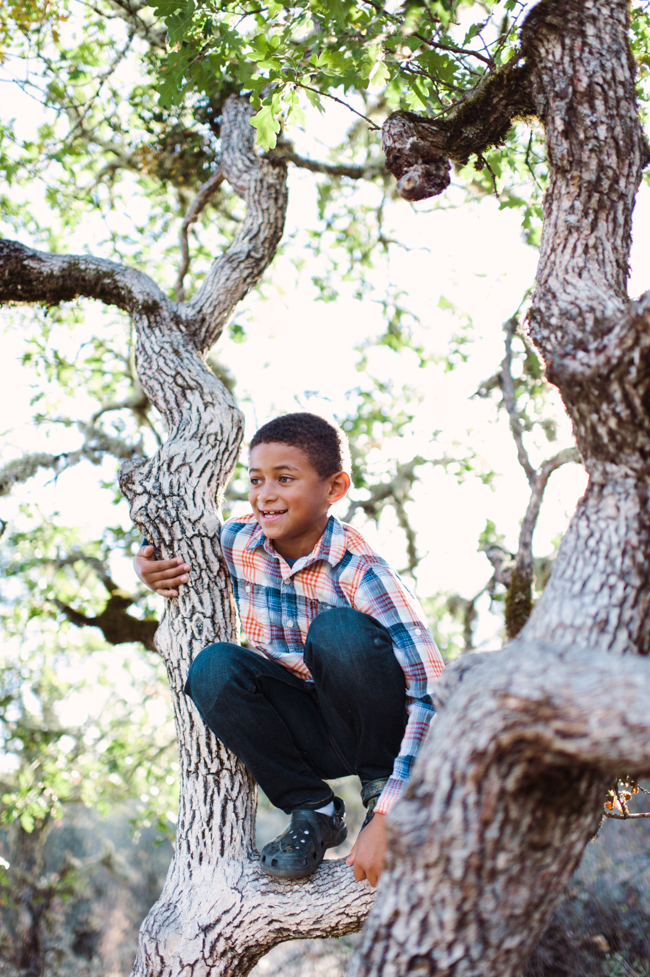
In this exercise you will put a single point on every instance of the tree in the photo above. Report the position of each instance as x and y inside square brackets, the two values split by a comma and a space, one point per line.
[573, 322]
[511, 784]
[205, 428]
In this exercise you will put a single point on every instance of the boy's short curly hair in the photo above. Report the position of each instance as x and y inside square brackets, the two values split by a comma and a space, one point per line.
[324, 443]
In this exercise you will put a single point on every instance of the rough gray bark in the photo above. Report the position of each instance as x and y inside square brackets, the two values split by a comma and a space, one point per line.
[512, 778]
[419, 150]
[218, 914]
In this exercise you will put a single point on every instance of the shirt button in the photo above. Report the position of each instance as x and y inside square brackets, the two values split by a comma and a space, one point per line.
[248, 588]
[417, 631]
[289, 624]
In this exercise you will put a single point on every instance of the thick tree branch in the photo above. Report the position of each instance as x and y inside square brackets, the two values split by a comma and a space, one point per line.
[29, 276]
[519, 757]
[263, 184]
[581, 319]
[419, 150]
[97, 444]
[117, 626]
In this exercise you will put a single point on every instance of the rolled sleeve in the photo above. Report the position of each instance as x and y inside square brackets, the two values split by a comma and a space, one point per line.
[379, 592]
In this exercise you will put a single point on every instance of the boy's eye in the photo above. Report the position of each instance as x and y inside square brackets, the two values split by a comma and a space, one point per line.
[285, 479]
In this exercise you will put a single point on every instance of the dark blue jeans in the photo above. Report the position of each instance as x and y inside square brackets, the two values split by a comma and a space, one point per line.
[293, 735]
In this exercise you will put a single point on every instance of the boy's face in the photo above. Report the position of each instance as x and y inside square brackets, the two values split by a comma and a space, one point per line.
[289, 498]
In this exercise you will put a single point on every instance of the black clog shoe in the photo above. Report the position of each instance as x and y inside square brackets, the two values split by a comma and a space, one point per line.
[300, 849]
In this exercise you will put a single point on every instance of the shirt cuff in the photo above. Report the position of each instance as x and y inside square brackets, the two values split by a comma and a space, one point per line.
[390, 795]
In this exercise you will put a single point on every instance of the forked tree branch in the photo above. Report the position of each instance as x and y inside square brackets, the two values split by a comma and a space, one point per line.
[263, 184]
[29, 276]
[525, 552]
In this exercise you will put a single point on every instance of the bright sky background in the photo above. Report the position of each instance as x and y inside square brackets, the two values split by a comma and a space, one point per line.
[470, 253]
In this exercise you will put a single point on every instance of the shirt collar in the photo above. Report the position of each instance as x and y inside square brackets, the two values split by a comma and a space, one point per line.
[330, 547]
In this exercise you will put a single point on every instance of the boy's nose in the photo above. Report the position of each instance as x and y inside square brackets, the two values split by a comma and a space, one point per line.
[265, 497]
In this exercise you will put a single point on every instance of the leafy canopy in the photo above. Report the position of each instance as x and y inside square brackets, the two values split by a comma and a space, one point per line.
[420, 55]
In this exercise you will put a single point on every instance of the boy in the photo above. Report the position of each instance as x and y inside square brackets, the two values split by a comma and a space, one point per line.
[338, 676]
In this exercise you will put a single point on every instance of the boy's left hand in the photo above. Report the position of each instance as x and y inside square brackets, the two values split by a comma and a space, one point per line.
[369, 852]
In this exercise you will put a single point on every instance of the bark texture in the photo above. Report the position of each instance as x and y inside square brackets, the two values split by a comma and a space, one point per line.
[218, 914]
[513, 775]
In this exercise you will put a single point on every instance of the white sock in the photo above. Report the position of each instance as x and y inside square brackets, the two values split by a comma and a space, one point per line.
[328, 809]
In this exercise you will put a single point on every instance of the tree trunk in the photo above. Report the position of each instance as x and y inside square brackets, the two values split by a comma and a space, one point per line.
[513, 776]
[218, 913]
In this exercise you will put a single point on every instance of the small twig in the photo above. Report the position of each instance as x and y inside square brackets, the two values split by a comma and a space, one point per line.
[509, 402]
[484, 163]
[285, 151]
[194, 211]
[624, 817]
[528, 164]
[300, 84]
[524, 559]
[633, 788]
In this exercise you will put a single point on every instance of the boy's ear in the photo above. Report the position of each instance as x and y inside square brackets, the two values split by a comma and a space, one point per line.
[339, 487]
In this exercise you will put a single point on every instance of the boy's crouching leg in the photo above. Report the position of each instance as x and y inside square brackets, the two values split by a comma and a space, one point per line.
[361, 688]
[220, 682]
[211, 674]
[259, 710]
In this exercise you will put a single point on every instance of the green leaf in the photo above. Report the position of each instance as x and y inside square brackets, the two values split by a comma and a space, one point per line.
[267, 126]
[27, 822]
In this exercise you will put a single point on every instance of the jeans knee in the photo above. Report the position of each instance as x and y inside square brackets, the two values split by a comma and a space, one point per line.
[344, 633]
[210, 672]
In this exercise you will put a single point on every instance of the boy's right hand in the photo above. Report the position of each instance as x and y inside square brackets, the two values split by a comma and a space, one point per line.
[161, 576]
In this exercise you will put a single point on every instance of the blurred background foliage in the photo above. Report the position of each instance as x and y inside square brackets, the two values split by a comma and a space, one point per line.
[125, 130]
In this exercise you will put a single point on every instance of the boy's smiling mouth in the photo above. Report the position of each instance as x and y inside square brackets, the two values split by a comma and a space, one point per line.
[272, 513]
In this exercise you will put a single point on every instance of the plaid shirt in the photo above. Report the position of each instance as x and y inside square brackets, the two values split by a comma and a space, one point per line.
[341, 571]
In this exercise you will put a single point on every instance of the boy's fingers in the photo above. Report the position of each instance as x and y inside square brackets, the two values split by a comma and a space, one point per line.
[172, 572]
[175, 564]
[167, 593]
[353, 854]
[358, 872]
